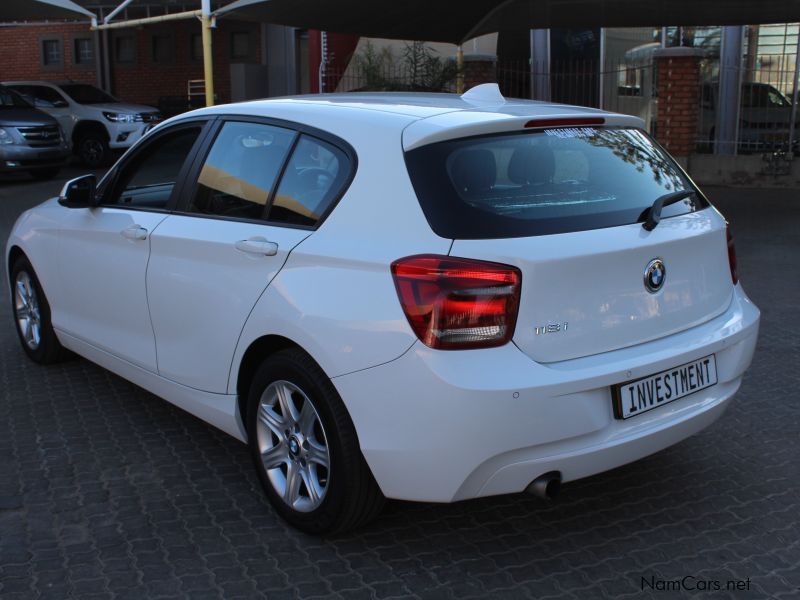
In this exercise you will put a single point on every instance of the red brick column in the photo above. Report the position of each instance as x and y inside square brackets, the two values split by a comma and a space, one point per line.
[478, 69]
[678, 73]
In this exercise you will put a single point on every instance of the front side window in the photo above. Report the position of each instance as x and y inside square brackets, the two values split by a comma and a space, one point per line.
[240, 172]
[543, 182]
[11, 99]
[83, 93]
[310, 184]
[43, 96]
[147, 180]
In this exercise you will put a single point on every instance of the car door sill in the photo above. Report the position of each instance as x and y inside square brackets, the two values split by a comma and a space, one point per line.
[219, 410]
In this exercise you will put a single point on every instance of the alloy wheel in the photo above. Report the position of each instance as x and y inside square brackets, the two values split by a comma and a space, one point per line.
[91, 151]
[293, 446]
[26, 309]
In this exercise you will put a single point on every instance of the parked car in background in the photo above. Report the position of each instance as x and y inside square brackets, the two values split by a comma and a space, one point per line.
[764, 118]
[30, 140]
[426, 297]
[95, 122]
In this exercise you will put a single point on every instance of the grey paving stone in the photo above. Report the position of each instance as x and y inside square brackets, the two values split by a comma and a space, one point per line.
[109, 492]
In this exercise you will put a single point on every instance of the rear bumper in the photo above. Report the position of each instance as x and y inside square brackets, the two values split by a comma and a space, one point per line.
[445, 426]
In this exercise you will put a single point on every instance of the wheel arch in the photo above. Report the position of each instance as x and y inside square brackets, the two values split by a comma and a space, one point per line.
[82, 127]
[14, 253]
[258, 350]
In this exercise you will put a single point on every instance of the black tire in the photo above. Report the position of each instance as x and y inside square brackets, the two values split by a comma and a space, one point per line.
[92, 148]
[44, 174]
[352, 496]
[49, 350]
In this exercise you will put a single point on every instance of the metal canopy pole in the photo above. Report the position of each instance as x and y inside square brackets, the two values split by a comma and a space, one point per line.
[207, 22]
[208, 59]
[460, 69]
[540, 64]
[793, 121]
[730, 89]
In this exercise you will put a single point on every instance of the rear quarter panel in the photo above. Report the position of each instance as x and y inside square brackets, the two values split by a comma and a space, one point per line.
[335, 296]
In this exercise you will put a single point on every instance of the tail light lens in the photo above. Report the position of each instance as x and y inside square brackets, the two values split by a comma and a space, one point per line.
[732, 256]
[458, 303]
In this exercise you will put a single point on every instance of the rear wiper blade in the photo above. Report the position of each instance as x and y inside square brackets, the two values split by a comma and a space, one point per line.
[651, 216]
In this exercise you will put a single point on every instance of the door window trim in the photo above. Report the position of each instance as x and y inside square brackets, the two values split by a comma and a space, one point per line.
[189, 189]
[108, 184]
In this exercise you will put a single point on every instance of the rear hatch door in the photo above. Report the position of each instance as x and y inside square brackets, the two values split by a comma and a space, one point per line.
[584, 293]
[565, 205]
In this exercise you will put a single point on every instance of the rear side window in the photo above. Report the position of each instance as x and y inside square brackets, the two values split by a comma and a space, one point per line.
[241, 170]
[543, 182]
[312, 180]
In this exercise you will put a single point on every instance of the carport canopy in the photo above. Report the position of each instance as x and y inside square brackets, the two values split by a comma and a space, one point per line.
[456, 22]
[41, 10]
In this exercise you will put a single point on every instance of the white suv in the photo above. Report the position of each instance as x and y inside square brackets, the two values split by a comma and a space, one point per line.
[424, 297]
[95, 122]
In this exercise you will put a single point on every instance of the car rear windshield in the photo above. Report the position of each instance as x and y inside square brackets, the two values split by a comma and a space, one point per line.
[544, 182]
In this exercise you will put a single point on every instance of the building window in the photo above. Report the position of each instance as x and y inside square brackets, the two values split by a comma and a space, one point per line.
[51, 53]
[83, 51]
[196, 49]
[162, 48]
[240, 45]
[125, 49]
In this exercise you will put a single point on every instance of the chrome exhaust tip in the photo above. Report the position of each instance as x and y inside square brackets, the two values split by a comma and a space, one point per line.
[545, 486]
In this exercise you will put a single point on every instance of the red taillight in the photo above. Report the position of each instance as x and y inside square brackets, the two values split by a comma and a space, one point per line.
[458, 303]
[566, 122]
[732, 256]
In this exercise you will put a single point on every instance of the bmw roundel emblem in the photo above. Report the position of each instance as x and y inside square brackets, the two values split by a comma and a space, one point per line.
[654, 275]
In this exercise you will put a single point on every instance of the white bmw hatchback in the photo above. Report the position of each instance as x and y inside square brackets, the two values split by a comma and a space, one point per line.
[423, 297]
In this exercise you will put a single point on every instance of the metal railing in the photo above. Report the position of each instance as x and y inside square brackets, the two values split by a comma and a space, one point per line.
[622, 86]
[765, 108]
[625, 86]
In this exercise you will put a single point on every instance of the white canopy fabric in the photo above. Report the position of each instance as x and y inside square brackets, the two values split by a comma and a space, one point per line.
[41, 10]
[457, 21]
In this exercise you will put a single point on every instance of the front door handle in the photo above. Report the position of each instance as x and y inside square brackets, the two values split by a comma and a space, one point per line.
[134, 232]
[257, 245]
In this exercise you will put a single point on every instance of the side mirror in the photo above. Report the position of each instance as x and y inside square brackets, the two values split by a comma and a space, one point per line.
[79, 192]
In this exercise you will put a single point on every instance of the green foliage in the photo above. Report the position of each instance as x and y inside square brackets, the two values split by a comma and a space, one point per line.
[419, 69]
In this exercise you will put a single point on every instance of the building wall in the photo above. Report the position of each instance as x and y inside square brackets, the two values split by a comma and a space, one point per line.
[145, 79]
[21, 53]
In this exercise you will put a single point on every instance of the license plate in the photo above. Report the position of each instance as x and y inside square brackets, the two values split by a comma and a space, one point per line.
[640, 395]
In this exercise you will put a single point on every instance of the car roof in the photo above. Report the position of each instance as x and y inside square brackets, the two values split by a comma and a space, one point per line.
[421, 118]
[32, 82]
[413, 104]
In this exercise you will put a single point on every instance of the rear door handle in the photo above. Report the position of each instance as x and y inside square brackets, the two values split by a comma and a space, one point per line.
[134, 232]
[257, 245]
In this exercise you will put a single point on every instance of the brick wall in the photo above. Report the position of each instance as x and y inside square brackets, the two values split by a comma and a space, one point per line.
[21, 53]
[678, 72]
[479, 69]
[144, 80]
